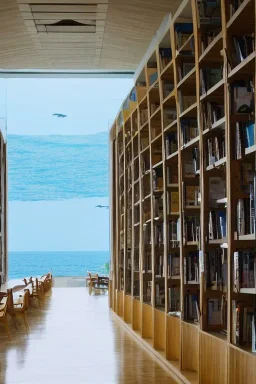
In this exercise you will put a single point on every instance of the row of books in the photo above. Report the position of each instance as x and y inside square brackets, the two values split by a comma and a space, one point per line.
[209, 11]
[216, 148]
[184, 69]
[173, 265]
[210, 19]
[212, 112]
[243, 324]
[167, 88]
[242, 100]
[160, 294]
[172, 202]
[186, 101]
[217, 312]
[174, 300]
[243, 47]
[158, 206]
[191, 195]
[217, 224]
[216, 269]
[182, 33]
[165, 56]
[159, 265]
[147, 261]
[217, 190]
[244, 269]
[207, 36]
[244, 137]
[191, 308]
[209, 77]
[246, 214]
[191, 268]
[169, 115]
[189, 130]
[171, 143]
[157, 178]
[159, 234]
[192, 162]
[147, 297]
[234, 5]
[174, 233]
[192, 229]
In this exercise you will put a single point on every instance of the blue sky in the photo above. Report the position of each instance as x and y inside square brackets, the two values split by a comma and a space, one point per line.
[91, 106]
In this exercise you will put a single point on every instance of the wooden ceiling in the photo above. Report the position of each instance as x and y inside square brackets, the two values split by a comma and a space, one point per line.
[78, 34]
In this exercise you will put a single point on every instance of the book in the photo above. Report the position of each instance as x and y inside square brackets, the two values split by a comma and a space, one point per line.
[192, 193]
[209, 77]
[165, 55]
[215, 316]
[182, 33]
[242, 97]
[189, 130]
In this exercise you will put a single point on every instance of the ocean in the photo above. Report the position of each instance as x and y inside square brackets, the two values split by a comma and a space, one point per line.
[55, 184]
[26, 264]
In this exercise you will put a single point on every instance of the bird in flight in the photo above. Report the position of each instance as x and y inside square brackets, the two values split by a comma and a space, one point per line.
[59, 115]
[101, 206]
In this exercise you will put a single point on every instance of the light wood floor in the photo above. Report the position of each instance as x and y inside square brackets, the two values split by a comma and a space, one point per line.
[74, 339]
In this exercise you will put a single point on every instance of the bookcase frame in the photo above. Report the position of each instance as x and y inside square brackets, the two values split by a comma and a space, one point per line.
[192, 351]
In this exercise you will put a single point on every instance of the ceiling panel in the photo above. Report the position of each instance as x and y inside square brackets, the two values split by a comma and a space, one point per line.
[80, 34]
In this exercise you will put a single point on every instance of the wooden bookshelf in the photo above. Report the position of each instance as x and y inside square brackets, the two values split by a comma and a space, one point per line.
[3, 210]
[183, 174]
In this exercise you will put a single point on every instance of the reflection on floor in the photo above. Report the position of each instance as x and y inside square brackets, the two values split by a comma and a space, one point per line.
[74, 339]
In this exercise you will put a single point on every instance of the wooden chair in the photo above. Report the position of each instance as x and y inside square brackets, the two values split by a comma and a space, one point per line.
[20, 308]
[46, 281]
[3, 315]
[91, 278]
[10, 307]
[37, 291]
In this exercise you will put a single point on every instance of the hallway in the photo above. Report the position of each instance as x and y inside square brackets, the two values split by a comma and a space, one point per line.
[74, 339]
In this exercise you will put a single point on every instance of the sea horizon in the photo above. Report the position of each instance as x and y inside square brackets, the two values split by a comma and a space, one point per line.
[60, 263]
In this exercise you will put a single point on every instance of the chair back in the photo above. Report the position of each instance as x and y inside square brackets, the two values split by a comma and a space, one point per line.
[4, 302]
[10, 304]
[26, 299]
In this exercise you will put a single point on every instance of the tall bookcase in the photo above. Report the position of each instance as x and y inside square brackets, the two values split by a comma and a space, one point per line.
[183, 196]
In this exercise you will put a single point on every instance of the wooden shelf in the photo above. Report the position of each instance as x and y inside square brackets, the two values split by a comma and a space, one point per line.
[247, 237]
[212, 52]
[189, 111]
[216, 164]
[166, 68]
[217, 91]
[196, 352]
[159, 164]
[188, 80]
[245, 66]
[191, 143]
[170, 126]
[172, 156]
[243, 15]
[219, 124]
[186, 45]
[250, 291]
